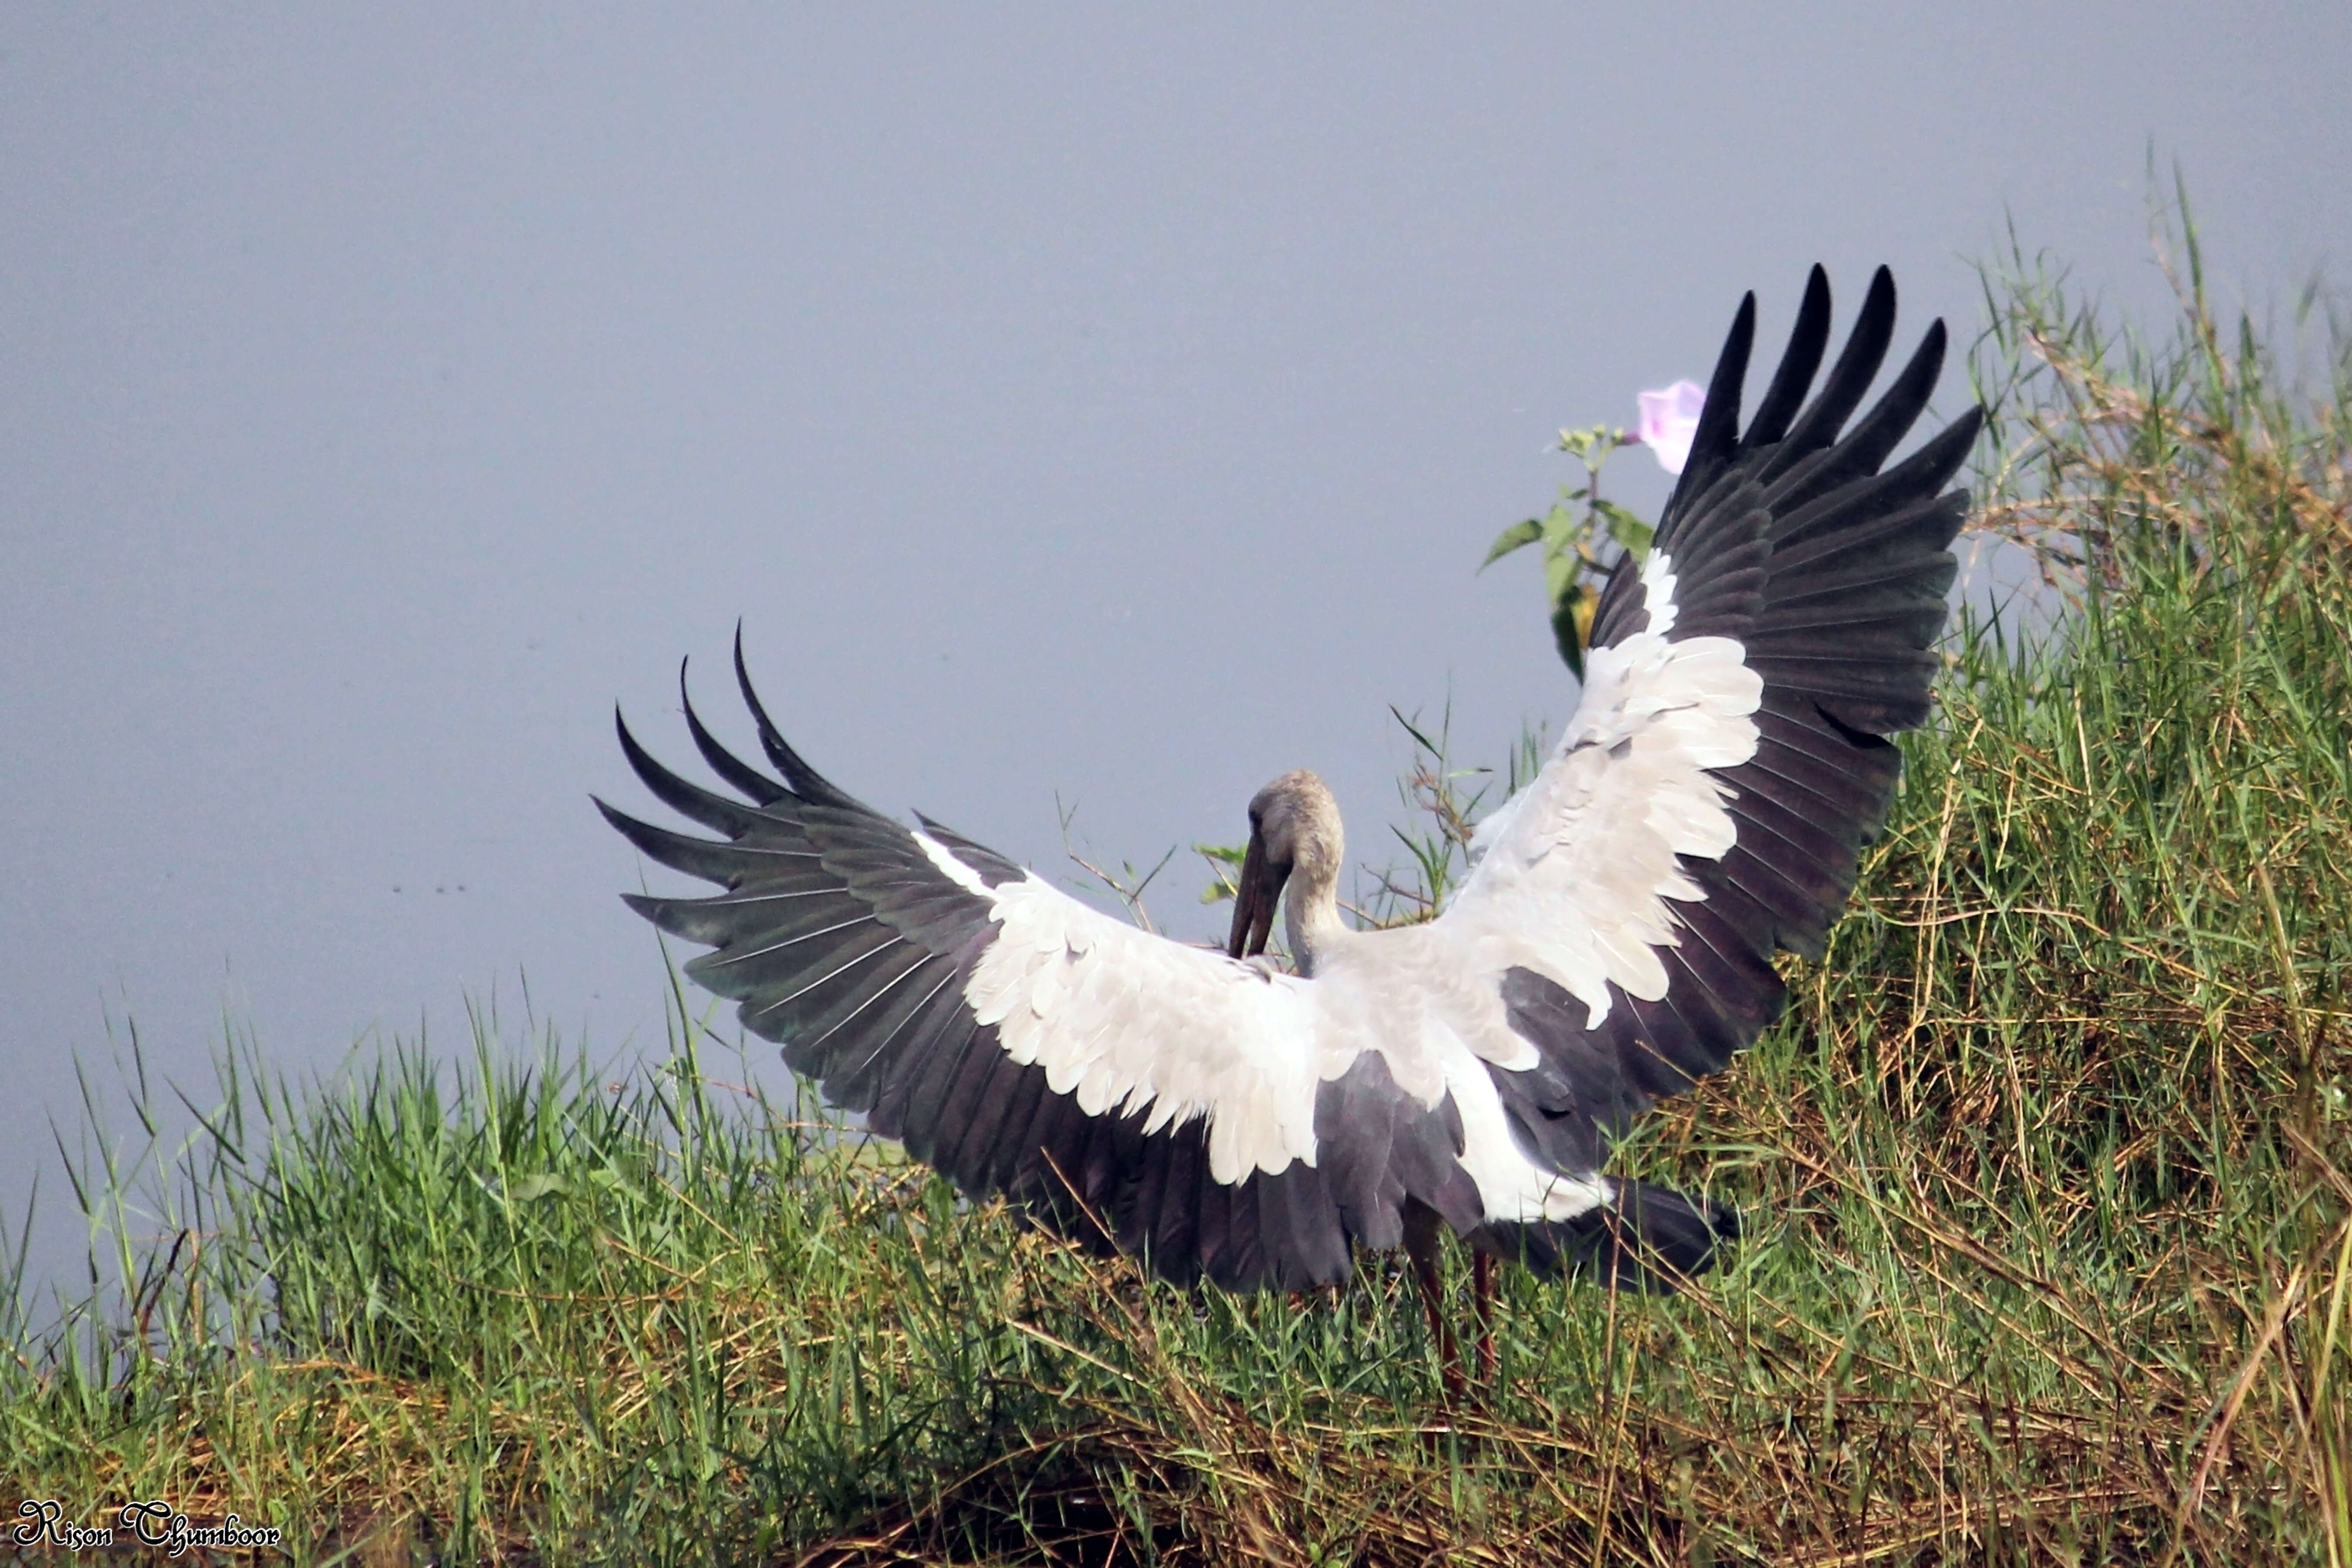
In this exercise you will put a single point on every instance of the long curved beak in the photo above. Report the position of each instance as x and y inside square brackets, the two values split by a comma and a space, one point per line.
[1260, 890]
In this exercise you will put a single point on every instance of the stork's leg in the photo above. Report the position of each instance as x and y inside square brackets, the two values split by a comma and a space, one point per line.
[1482, 1298]
[1422, 1226]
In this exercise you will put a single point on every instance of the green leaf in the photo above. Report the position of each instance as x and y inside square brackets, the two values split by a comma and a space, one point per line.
[1225, 866]
[1517, 537]
[1562, 524]
[1571, 625]
[1565, 637]
[1627, 530]
[1563, 572]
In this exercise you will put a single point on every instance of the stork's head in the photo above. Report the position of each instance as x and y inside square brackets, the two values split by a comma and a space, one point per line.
[1294, 832]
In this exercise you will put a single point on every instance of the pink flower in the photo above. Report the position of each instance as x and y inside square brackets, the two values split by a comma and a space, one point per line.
[1669, 419]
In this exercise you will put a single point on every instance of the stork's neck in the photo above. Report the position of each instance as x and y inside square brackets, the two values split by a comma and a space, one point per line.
[1297, 842]
[1310, 910]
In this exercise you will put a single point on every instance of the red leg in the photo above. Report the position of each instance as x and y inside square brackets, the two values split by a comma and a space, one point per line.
[1421, 1231]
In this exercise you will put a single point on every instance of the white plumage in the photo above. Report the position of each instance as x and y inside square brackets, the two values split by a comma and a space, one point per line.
[1704, 808]
[1578, 887]
[1126, 1021]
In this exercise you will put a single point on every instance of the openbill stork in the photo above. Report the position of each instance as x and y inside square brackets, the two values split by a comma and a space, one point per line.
[1218, 1117]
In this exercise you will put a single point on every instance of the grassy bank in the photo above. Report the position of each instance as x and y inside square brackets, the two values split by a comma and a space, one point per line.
[2046, 1175]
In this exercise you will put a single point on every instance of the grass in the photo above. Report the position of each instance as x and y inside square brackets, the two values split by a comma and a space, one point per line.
[2046, 1175]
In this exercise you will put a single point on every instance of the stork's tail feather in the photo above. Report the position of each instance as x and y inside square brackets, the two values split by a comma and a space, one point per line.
[1650, 1239]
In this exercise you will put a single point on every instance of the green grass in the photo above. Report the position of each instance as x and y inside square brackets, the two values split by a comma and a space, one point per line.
[2046, 1175]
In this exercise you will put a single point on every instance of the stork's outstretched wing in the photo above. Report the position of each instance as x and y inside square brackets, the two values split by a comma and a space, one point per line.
[1125, 1089]
[1728, 758]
